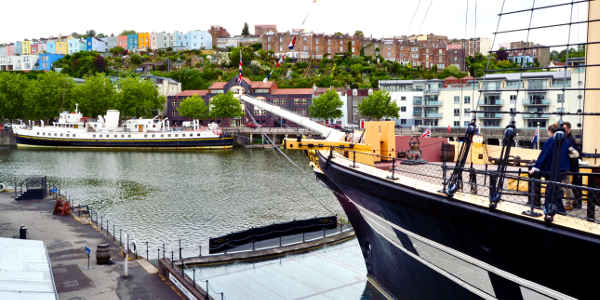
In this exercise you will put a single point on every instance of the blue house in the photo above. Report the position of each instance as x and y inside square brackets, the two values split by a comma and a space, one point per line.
[18, 48]
[94, 44]
[51, 47]
[46, 60]
[132, 42]
[198, 39]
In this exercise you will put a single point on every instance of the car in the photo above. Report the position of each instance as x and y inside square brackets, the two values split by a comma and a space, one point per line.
[253, 125]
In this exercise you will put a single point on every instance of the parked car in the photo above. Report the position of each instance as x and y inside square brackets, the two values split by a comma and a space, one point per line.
[253, 125]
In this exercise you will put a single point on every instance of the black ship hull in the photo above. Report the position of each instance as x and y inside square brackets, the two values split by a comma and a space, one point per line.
[24, 141]
[420, 245]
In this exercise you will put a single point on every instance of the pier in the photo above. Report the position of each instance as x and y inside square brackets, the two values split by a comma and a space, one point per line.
[255, 137]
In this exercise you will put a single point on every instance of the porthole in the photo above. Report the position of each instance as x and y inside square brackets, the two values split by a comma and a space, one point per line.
[115, 135]
[93, 135]
[73, 135]
[153, 135]
[67, 135]
[37, 133]
[168, 135]
[198, 134]
[145, 135]
[177, 135]
[122, 135]
[129, 136]
[162, 135]
[55, 134]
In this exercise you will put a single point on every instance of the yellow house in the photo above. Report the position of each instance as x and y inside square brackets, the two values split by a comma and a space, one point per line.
[143, 40]
[26, 50]
[62, 47]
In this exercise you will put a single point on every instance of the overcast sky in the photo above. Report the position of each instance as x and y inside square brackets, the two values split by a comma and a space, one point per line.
[379, 18]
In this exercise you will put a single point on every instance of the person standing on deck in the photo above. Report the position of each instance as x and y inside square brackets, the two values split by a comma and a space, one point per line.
[574, 160]
[543, 167]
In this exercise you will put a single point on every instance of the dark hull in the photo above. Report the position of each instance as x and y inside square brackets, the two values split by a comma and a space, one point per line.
[200, 143]
[419, 245]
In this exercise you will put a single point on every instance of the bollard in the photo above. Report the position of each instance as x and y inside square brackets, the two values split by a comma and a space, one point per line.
[180, 249]
[194, 276]
[207, 295]
[120, 237]
[303, 236]
[200, 251]
[147, 257]
[279, 241]
[157, 255]
[172, 258]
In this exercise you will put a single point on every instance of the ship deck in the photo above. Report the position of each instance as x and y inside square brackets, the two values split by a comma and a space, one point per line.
[428, 178]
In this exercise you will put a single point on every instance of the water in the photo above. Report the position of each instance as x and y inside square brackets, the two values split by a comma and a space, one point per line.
[166, 196]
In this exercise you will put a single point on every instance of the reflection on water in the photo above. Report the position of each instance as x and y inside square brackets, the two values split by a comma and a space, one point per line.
[166, 196]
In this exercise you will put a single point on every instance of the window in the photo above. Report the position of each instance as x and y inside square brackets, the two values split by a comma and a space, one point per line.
[403, 121]
[513, 99]
[457, 112]
[467, 99]
[560, 98]
[403, 108]
[467, 110]
[403, 98]
[456, 123]
[466, 123]
[456, 99]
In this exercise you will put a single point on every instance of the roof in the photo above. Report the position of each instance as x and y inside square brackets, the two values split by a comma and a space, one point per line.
[217, 85]
[25, 271]
[305, 91]
[189, 93]
[517, 76]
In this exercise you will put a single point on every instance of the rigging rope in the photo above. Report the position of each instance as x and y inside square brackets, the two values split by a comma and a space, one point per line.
[277, 149]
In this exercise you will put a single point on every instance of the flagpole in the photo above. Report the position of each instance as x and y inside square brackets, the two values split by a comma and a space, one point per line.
[538, 135]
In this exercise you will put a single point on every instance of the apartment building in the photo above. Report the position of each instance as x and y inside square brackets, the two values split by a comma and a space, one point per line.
[528, 52]
[262, 29]
[449, 103]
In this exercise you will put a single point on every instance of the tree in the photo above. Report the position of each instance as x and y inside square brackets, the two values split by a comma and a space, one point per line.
[128, 32]
[225, 106]
[234, 56]
[96, 95]
[90, 33]
[245, 31]
[136, 59]
[327, 106]
[139, 98]
[502, 54]
[117, 51]
[359, 34]
[12, 88]
[81, 64]
[378, 105]
[47, 96]
[193, 107]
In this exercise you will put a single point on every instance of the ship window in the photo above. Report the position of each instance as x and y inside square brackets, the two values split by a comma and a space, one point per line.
[55, 134]
[198, 134]
[67, 135]
[115, 135]
[43, 133]
[93, 135]
[73, 135]
[129, 136]
[61, 134]
[122, 135]
[176, 135]
[153, 135]
[168, 135]
[37, 133]
[162, 135]
[145, 135]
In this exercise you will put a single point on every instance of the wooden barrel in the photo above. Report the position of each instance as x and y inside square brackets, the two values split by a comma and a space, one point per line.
[447, 152]
[102, 254]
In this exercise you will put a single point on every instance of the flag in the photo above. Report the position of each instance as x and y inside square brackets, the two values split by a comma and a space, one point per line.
[292, 43]
[448, 128]
[426, 133]
[535, 138]
[240, 78]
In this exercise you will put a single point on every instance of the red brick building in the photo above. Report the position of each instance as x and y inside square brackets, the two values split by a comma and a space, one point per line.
[262, 29]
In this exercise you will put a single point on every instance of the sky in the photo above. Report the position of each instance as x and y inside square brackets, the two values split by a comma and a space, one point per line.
[377, 18]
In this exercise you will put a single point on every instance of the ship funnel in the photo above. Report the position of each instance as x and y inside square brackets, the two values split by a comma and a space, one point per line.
[112, 119]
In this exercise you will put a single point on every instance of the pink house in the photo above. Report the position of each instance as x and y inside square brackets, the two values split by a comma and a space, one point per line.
[11, 50]
[34, 48]
[122, 41]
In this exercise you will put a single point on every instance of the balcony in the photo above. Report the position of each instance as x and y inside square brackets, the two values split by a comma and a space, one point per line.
[417, 102]
[490, 116]
[535, 116]
[492, 103]
[432, 103]
[432, 116]
[536, 102]
[417, 114]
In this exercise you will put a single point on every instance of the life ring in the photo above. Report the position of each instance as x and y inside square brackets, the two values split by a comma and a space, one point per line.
[2, 187]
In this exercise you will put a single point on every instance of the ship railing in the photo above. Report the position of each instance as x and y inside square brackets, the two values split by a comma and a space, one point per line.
[519, 185]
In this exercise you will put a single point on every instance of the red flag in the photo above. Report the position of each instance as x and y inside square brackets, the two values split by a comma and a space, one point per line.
[448, 128]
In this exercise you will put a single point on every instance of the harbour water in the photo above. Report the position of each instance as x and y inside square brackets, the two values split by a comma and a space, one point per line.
[167, 196]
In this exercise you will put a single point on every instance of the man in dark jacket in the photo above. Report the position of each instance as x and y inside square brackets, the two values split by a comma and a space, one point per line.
[574, 161]
[543, 165]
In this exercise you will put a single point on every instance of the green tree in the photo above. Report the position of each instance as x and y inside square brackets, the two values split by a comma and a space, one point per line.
[12, 88]
[81, 64]
[327, 106]
[193, 107]
[225, 106]
[378, 105]
[359, 34]
[128, 32]
[117, 51]
[95, 96]
[245, 30]
[47, 96]
[234, 56]
[139, 98]
[136, 59]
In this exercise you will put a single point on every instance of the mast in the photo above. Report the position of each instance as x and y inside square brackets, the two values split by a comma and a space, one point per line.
[591, 140]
